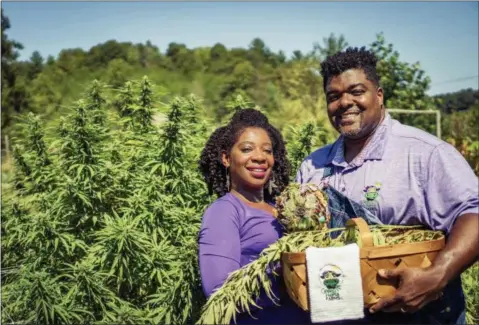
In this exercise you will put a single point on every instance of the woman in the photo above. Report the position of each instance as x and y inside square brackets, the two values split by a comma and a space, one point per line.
[245, 164]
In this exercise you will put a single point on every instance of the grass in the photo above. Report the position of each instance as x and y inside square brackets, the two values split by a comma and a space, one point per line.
[470, 285]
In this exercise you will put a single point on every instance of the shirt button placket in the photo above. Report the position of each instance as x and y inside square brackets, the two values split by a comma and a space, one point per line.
[342, 184]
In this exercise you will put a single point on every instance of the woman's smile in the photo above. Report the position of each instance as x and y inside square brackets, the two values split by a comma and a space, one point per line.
[258, 172]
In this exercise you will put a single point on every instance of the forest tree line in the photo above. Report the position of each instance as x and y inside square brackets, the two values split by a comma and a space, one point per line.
[289, 89]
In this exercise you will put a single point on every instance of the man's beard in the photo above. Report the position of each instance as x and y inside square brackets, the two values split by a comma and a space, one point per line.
[351, 132]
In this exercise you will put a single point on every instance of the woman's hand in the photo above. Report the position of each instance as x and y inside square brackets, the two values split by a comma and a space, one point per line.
[417, 287]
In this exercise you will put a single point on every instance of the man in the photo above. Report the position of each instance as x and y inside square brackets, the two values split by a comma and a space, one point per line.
[403, 176]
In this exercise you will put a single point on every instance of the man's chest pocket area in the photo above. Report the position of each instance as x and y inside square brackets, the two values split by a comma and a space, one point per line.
[396, 203]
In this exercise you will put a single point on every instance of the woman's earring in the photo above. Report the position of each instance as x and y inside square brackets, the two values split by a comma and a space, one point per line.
[227, 180]
[270, 185]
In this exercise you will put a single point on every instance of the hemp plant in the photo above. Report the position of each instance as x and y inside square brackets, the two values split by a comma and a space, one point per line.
[101, 224]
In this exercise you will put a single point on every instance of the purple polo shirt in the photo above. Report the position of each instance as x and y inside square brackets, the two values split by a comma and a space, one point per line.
[412, 176]
[232, 235]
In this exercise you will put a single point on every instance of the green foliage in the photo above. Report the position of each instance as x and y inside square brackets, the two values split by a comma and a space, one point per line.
[332, 45]
[37, 65]
[302, 140]
[13, 87]
[101, 224]
[460, 123]
[302, 208]
[458, 101]
[101, 214]
[117, 72]
[460, 129]
[470, 280]
[215, 74]
[289, 90]
[404, 84]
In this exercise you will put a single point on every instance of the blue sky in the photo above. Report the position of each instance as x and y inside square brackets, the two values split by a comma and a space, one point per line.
[442, 36]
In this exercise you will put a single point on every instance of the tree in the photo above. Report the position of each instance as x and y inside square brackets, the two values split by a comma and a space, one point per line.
[243, 75]
[101, 54]
[405, 85]
[460, 129]
[103, 228]
[281, 56]
[257, 45]
[258, 52]
[46, 94]
[117, 73]
[71, 60]
[50, 60]
[218, 52]
[182, 58]
[9, 47]
[460, 100]
[297, 55]
[332, 45]
[13, 92]
[36, 65]
[145, 54]
[174, 49]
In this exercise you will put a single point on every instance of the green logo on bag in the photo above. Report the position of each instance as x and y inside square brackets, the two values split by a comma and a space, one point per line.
[371, 192]
[331, 278]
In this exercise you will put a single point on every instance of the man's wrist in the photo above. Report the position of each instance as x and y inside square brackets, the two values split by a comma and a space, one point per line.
[442, 273]
[460, 250]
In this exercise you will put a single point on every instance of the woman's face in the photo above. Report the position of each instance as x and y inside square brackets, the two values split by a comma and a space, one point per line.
[251, 160]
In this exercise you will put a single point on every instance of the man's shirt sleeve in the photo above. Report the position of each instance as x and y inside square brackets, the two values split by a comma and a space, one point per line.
[451, 188]
[302, 173]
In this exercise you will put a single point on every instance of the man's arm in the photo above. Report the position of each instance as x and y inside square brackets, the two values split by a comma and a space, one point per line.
[451, 195]
[462, 248]
[418, 287]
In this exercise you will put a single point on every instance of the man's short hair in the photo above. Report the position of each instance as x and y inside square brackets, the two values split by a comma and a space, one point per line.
[351, 58]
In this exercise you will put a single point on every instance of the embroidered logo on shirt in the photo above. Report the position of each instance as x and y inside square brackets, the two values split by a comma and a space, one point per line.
[371, 192]
[331, 280]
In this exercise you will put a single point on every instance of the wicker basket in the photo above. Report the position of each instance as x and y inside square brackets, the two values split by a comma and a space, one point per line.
[372, 258]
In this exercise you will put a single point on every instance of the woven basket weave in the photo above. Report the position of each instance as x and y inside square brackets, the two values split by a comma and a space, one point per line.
[372, 258]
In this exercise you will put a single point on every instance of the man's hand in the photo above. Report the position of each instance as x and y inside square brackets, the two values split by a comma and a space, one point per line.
[417, 287]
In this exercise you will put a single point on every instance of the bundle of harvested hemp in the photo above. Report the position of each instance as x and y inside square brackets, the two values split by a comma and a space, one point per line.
[302, 208]
[303, 212]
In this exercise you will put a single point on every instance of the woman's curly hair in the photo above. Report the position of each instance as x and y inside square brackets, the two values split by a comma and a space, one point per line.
[223, 139]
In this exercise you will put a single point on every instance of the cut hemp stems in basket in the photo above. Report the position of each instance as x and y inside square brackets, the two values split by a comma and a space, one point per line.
[303, 212]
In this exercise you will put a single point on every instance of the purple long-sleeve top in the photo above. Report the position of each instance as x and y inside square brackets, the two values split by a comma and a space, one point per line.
[232, 235]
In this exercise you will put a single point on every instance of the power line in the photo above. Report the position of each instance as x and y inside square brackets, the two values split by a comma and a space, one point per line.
[454, 80]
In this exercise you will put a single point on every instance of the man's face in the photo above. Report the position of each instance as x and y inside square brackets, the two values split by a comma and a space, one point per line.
[354, 104]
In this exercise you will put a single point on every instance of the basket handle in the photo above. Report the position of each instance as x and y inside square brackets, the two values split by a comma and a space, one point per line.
[364, 233]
